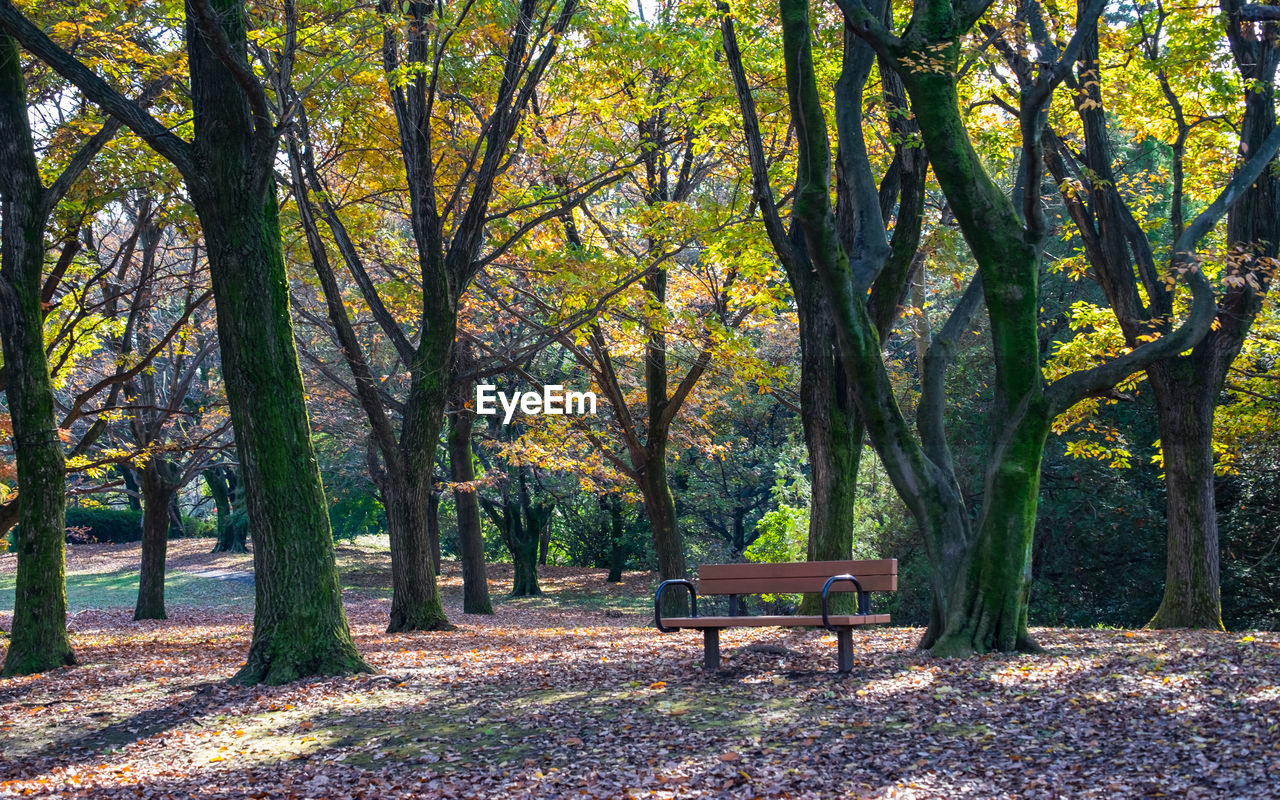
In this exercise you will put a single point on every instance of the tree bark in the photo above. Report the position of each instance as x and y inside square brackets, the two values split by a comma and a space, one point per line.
[415, 599]
[38, 638]
[433, 527]
[660, 507]
[475, 583]
[130, 477]
[158, 491]
[407, 474]
[544, 546]
[979, 582]
[833, 436]
[986, 606]
[617, 548]
[1187, 388]
[523, 538]
[221, 482]
[1185, 401]
[522, 521]
[300, 627]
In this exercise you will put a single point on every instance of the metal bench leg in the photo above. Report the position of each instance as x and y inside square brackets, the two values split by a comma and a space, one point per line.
[844, 649]
[711, 648]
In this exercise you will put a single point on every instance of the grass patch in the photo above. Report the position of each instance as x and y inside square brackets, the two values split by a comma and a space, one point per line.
[105, 590]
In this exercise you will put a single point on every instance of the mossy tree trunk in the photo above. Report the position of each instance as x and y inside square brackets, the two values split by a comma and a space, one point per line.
[544, 546]
[300, 627]
[986, 607]
[221, 481]
[979, 569]
[833, 425]
[1187, 388]
[38, 638]
[415, 600]
[660, 508]
[1186, 397]
[433, 527]
[617, 545]
[522, 520]
[1122, 256]
[833, 435]
[159, 484]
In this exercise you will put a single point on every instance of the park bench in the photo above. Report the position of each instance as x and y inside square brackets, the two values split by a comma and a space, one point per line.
[739, 580]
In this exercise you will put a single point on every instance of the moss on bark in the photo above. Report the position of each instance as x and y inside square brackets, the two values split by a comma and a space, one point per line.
[38, 638]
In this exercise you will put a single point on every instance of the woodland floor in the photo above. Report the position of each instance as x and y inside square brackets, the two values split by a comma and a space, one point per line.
[572, 695]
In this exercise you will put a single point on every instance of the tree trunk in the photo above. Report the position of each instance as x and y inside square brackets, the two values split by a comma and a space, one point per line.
[617, 548]
[523, 537]
[833, 436]
[1186, 389]
[1185, 403]
[177, 526]
[660, 507]
[299, 627]
[475, 583]
[979, 581]
[544, 546]
[528, 522]
[415, 599]
[433, 527]
[130, 477]
[158, 492]
[220, 481]
[38, 638]
[988, 597]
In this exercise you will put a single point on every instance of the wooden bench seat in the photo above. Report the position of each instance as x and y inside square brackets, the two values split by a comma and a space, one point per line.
[836, 620]
[739, 580]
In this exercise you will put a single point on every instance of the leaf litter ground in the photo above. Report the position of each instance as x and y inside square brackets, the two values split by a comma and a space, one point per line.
[571, 695]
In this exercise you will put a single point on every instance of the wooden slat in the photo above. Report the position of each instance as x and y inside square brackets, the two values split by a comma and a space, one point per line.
[799, 569]
[772, 622]
[870, 583]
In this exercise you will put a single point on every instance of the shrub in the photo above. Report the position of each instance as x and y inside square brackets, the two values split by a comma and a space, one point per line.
[114, 525]
[357, 515]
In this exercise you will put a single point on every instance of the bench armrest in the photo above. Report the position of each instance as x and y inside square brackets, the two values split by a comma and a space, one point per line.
[826, 587]
[657, 601]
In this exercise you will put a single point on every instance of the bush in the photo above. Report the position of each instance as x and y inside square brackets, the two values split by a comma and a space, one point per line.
[118, 526]
[781, 536]
[114, 525]
[195, 528]
[357, 515]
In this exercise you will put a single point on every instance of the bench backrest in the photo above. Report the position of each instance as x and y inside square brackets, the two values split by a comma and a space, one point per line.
[807, 576]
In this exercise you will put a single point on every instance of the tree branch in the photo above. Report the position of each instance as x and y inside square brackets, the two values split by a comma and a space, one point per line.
[133, 116]
[1068, 391]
